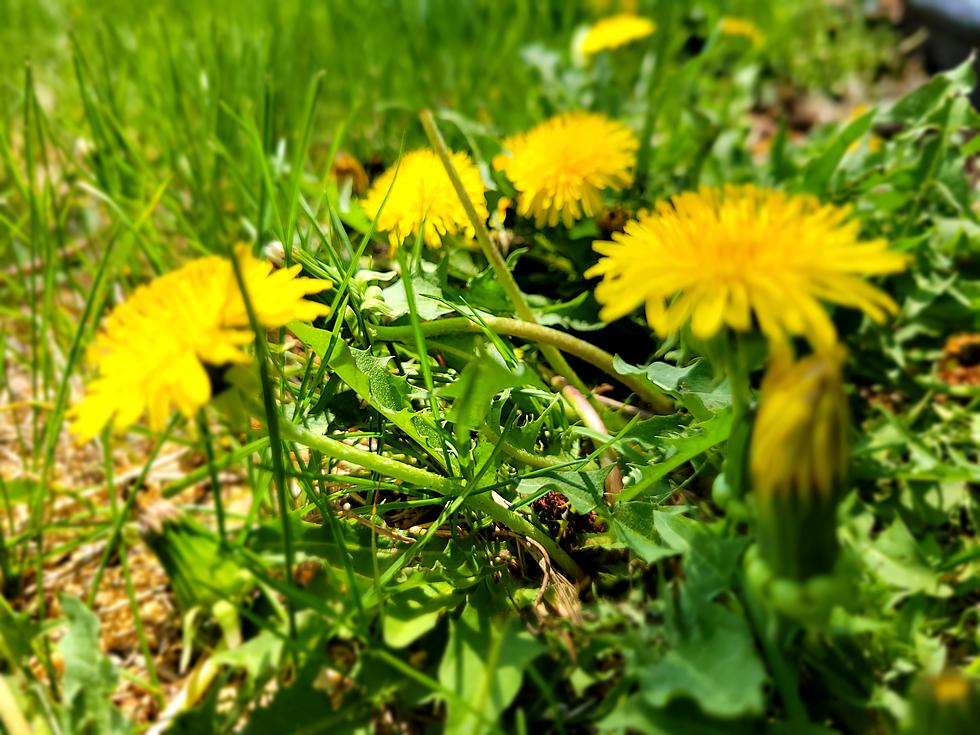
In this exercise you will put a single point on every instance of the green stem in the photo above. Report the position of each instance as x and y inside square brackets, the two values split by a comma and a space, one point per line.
[542, 335]
[485, 504]
[785, 679]
[737, 451]
[219, 508]
[482, 503]
[493, 255]
[541, 461]
[369, 460]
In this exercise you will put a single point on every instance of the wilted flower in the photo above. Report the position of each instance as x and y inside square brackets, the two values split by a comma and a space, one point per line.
[154, 350]
[561, 167]
[618, 30]
[421, 191]
[721, 256]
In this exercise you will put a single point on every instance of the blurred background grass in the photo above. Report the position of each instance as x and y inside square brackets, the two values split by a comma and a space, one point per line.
[173, 63]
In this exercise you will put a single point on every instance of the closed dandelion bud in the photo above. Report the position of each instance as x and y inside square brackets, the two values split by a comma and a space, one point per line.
[798, 461]
[948, 703]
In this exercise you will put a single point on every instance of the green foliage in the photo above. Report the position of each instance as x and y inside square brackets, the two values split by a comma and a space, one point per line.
[460, 543]
[90, 678]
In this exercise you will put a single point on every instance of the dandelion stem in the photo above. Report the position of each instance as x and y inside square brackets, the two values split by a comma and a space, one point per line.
[493, 255]
[784, 678]
[542, 335]
[368, 460]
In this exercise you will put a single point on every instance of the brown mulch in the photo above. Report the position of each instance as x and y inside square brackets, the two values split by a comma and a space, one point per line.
[77, 498]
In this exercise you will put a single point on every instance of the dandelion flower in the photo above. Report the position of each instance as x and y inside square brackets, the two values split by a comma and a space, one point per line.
[799, 443]
[153, 351]
[611, 33]
[743, 28]
[561, 167]
[720, 256]
[421, 191]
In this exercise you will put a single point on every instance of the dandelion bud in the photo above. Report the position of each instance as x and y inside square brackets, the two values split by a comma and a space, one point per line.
[275, 253]
[798, 461]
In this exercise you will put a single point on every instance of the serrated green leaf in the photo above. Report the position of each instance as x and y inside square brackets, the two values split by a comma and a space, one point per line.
[700, 438]
[482, 379]
[372, 380]
[695, 385]
[635, 525]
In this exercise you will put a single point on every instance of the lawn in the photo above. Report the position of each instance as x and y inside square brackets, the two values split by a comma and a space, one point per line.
[409, 366]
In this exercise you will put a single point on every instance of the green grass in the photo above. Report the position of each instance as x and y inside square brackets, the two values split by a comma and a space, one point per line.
[396, 559]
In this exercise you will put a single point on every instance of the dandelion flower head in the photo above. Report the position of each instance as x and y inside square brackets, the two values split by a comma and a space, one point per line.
[153, 350]
[614, 32]
[422, 192]
[742, 28]
[561, 167]
[721, 256]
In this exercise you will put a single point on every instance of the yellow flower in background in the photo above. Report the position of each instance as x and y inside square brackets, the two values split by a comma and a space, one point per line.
[721, 256]
[799, 442]
[611, 33]
[743, 28]
[561, 167]
[153, 349]
[421, 191]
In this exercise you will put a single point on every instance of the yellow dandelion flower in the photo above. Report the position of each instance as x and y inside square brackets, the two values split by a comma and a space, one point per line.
[799, 442]
[720, 256]
[614, 32]
[423, 192]
[742, 28]
[950, 686]
[561, 167]
[154, 349]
